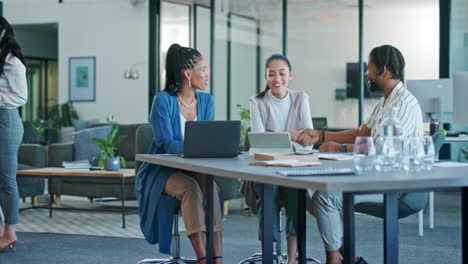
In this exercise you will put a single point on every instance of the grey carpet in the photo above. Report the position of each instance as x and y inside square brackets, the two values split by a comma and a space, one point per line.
[439, 245]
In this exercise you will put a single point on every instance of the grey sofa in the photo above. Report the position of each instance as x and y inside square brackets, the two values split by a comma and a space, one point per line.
[88, 187]
[31, 156]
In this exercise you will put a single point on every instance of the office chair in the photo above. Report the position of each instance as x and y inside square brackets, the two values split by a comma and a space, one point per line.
[144, 138]
[319, 122]
[279, 256]
[175, 246]
[408, 203]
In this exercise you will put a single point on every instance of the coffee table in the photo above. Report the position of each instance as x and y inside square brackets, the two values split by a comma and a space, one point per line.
[52, 172]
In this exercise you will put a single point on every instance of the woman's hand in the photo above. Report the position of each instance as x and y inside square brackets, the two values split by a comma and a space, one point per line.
[295, 135]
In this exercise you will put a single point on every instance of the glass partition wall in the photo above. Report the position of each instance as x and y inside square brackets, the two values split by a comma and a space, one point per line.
[322, 43]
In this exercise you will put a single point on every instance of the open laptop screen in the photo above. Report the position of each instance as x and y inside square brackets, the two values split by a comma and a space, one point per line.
[211, 139]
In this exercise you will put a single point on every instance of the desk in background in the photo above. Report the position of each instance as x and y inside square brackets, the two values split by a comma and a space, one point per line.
[451, 151]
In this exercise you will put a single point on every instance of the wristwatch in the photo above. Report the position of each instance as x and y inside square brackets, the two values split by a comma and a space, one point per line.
[343, 148]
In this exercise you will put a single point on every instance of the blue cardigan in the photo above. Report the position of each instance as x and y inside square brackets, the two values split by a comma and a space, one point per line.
[156, 209]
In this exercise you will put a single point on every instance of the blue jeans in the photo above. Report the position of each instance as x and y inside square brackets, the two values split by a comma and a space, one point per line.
[11, 135]
[281, 196]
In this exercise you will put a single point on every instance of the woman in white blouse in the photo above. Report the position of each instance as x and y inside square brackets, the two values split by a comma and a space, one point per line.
[13, 94]
[280, 109]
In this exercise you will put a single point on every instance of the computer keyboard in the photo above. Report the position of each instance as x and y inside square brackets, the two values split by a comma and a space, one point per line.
[316, 171]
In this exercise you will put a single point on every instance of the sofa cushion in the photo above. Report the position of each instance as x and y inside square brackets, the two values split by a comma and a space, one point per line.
[83, 124]
[84, 148]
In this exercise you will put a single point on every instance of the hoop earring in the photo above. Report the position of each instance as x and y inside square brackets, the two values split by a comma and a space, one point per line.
[189, 83]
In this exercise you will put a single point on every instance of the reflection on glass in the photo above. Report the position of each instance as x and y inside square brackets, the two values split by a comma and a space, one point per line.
[175, 28]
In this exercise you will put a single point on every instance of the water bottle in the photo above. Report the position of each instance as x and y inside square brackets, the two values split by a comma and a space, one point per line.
[388, 144]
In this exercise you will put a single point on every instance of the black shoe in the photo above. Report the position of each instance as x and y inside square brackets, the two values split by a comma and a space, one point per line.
[360, 261]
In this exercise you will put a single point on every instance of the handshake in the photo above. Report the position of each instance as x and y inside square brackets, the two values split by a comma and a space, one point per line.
[306, 137]
[309, 137]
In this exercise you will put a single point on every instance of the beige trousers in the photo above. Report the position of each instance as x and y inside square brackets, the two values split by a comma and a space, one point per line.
[189, 188]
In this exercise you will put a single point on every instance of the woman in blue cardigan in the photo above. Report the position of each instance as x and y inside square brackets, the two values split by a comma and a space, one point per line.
[186, 74]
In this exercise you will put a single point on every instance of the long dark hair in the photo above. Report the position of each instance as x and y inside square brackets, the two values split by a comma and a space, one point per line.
[8, 44]
[267, 64]
[178, 58]
[391, 58]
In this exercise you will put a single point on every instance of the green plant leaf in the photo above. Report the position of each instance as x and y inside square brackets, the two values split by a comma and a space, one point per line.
[123, 162]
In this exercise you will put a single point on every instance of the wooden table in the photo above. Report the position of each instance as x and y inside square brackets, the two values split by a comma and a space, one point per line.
[52, 172]
[370, 182]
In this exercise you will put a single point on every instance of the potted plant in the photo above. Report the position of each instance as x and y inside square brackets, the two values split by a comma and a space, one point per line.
[61, 117]
[245, 120]
[107, 147]
[40, 126]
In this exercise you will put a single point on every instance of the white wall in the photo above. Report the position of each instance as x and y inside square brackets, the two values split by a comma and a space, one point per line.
[38, 44]
[113, 31]
[459, 36]
[322, 41]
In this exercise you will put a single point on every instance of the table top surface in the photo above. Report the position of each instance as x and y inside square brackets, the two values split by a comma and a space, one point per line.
[62, 172]
[437, 178]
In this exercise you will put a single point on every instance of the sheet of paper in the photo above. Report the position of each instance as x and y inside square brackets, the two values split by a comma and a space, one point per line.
[450, 164]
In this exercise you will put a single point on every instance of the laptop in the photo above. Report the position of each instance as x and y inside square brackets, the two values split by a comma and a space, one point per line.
[211, 139]
[261, 142]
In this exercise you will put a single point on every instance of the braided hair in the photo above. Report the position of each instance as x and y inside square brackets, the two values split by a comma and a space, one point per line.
[267, 64]
[391, 58]
[8, 44]
[178, 58]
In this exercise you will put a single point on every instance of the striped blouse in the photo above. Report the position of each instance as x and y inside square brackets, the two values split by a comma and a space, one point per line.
[409, 113]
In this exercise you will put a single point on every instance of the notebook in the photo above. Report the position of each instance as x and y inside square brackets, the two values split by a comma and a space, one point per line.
[285, 163]
[317, 172]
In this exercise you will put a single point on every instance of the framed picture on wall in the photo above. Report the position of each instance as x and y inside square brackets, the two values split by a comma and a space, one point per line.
[82, 79]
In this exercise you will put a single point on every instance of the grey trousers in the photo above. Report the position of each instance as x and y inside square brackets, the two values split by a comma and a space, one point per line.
[11, 135]
[327, 208]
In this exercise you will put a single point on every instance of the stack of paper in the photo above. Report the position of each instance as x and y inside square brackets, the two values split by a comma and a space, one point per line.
[74, 165]
[285, 163]
[285, 156]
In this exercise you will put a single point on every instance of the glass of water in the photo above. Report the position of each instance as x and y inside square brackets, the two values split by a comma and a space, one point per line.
[429, 152]
[364, 153]
[413, 154]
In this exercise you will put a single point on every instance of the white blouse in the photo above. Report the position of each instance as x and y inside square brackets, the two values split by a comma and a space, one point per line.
[13, 86]
[182, 125]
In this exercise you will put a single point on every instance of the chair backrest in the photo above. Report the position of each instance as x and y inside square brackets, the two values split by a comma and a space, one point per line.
[319, 122]
[438, 138]
[408, 203]
[246, 140]
[143, 140]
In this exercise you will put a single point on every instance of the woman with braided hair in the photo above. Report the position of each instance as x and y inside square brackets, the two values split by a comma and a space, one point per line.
[181, 101]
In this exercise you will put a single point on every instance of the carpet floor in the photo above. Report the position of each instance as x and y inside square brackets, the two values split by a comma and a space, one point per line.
[439, 245]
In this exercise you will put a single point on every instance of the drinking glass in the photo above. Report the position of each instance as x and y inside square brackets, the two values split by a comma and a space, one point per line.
[413, 154]
[429, 152]
[364, 154]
